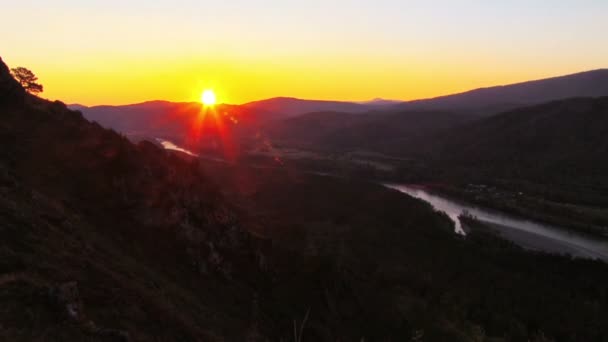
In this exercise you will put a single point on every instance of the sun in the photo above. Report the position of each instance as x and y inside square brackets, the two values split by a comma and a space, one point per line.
[208, 97]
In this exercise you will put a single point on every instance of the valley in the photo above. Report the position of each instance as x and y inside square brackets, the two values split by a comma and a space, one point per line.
[304, 171]
[517, 226]
[135, 236]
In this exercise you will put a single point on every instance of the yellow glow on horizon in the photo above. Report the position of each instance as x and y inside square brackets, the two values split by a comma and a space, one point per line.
[208, 97]
[89, 53]
[120, 80]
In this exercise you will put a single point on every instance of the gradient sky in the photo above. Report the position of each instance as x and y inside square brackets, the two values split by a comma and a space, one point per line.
[117, 52]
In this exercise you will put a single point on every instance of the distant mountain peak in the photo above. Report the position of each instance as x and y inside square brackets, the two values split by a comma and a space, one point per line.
[381, 101]
[495, 99]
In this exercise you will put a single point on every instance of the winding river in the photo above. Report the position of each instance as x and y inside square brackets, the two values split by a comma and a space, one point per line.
[528, 234]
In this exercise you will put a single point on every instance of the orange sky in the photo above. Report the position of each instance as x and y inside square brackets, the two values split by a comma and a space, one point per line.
[116, 53]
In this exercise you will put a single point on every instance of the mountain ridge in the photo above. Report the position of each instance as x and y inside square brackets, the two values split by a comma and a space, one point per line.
[290, 103]
[558, 137]
[499, 98]
[106, 240]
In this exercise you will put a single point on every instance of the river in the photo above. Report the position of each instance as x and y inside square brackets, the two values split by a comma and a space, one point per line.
[168, 145]
[526, 233]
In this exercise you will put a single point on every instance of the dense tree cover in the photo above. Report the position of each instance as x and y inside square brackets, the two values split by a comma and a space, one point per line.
[551, 155]
[561, 142]
[400, 262]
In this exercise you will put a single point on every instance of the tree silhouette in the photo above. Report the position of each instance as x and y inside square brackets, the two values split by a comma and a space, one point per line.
[27, 79]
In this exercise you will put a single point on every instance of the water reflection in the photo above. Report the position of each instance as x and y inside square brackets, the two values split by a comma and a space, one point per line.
[168, 145]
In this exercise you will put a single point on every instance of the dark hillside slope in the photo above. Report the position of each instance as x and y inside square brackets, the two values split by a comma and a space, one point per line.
[389, 132]
[405, 268]
[243, 124]
[312, 129]
[104, 240]
[399, 133]
[289, 107]
[101, 239]
[563, 142]
[181, 122]
[163, 118]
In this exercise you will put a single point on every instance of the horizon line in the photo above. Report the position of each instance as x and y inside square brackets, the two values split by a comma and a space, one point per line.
[339, 100]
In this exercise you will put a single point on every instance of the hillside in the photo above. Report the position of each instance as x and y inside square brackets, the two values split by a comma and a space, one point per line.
[219, 130]
[289, 107]
[404, 268]
[333, 125]
[175, 118]
[501, 98]
[409, 128]
[545, 162]
[153, 118]
[176, 121]
[312, 128]
[390, 132]
[105, 240]
[167, 119]
[561, 141]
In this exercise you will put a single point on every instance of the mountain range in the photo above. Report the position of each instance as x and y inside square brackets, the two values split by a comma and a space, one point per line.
[104, 239]
[561, 141]
[501, 98]
[484, 100]
[371, 124]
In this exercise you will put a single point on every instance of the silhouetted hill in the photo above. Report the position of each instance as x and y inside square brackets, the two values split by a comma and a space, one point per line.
[154, 117]
[157, 118]
[289, 107]
[377, 125]
[497, 99]
[563, 141]
[311, 129]
[406, 129]
[77, 106]
[187, 124]
[105, 240]
[389, 132]
[246, 124]
[381, 102]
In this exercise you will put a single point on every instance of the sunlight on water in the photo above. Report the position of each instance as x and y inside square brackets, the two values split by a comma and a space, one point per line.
[171, 146]
[526, 233]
